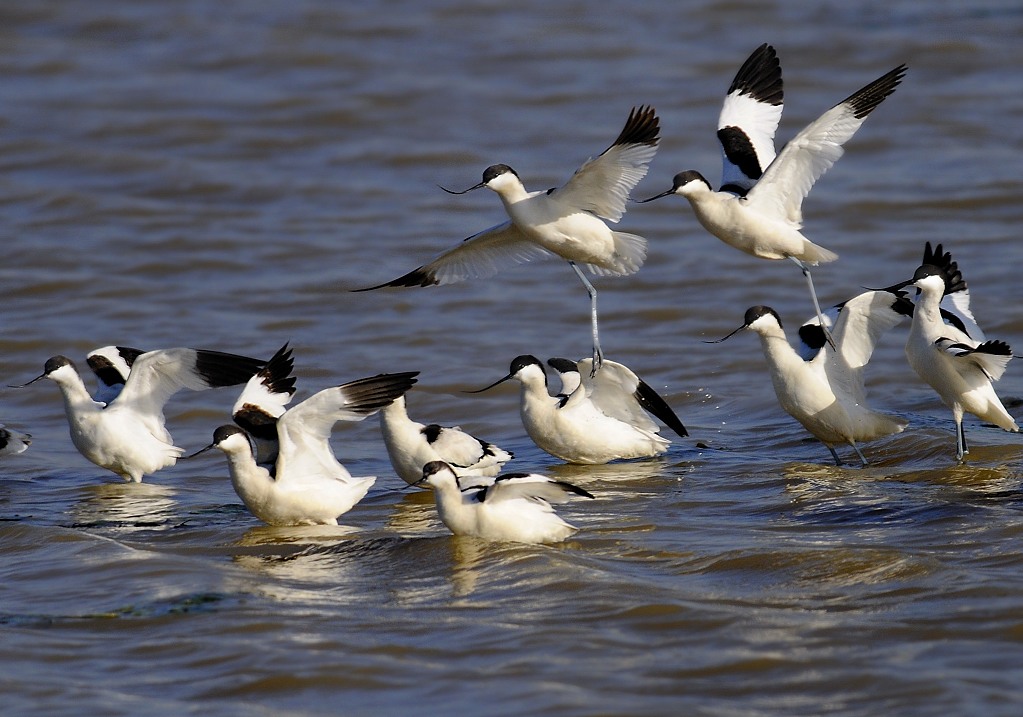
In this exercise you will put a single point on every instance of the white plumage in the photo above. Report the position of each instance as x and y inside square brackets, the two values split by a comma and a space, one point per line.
[959, 367]
[516, 507]
[766, 221]
[307, 485]
[569, 221]
[603, 419]
[411, 445]
[127, 436]
[826, 393]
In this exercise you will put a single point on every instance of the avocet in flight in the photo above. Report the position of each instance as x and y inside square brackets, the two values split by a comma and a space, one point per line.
[766, 221]
[568, 221]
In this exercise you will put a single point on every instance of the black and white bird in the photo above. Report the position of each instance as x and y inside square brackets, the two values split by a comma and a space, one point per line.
[955, 305]
[603, 419]
[569, 221]
[111, 364]
[13, 442]
[960, 366]
[306, 485]
[765, 222]
[263, 401]
[749, 119]
[826, 393]
[411, 445]
[127, 436]
[516, 507]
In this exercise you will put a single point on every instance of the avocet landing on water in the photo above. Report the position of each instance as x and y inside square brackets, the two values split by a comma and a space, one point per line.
[826, 394]
[603, 419]
[411, 445]
[766, 221]
[516, 507]
[958, 366]
[307, 485]
[127, 436]
[13, 442]
[569, 221]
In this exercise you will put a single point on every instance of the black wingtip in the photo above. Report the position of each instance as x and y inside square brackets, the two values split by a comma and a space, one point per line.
[416, 277]
[368, 395]
[276, 375]
[760, 77]
[866, 99]
[954, 280]
[649, 399]
[572, 488]
[223, 369]
[642, 127]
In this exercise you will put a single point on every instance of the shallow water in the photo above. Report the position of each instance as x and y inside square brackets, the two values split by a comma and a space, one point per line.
[218, 174]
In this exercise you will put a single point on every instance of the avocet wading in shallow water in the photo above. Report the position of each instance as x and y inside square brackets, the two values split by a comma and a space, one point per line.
[569, 221]
[826, 393]
[603, 419]
[515, 507]
[411, 445]
[127, 436]
[306, 485]
[765, 221]
[957, 363]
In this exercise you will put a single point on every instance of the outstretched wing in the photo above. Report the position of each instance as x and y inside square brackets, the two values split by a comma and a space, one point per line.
[478, 257]
[158, 375]
[813, 151]
[860, 324]
[749, 118]
[304, 431]
[602, 184]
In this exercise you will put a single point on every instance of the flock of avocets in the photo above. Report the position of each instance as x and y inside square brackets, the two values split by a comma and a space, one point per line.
[280, 459]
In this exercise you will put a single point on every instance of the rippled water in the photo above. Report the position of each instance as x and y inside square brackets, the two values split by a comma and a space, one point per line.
[218, 174]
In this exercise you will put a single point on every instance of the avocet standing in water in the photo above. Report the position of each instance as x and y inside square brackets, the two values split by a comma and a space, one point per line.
[516, 507]
[411, 445]
[766, 221]
[13, 442]
[127, 436]
[307, 485]
[569, 221]
[826, 394]
[603, 419]
[960, 368]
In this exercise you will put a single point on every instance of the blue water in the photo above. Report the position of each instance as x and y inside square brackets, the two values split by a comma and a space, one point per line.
[219, 174]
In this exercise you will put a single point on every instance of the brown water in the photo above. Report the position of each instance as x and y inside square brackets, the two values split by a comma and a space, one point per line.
[218, 174]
